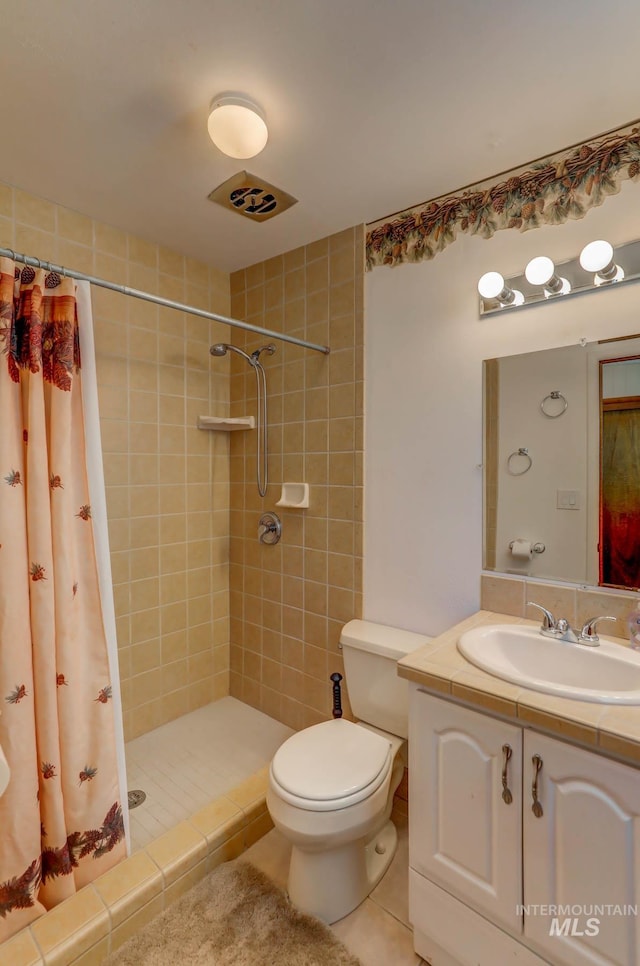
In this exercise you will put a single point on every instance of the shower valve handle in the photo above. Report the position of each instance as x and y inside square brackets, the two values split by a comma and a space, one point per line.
[269, 528]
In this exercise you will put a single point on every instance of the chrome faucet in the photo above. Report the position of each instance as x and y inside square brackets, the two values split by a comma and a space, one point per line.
[564, 632]
[561, 630]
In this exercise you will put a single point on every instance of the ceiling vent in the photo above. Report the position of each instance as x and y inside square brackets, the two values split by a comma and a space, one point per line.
[252, 197]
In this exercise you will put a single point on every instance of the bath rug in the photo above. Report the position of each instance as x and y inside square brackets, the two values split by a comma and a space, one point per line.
[235, 917]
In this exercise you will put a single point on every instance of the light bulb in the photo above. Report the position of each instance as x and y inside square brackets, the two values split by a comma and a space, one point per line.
[492, 286]
[597, 257]
[237, 126]
[542, 271]
[539, 270]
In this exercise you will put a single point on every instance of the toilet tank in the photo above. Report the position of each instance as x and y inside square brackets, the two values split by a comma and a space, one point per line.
[377, 695]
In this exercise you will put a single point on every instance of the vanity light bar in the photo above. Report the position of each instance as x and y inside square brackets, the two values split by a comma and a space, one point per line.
[596, 267]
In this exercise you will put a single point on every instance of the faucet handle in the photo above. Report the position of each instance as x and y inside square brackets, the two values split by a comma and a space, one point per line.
[548, 620]
[588, 635]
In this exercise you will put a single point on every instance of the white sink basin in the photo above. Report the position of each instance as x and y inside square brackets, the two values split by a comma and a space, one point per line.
[607, 674]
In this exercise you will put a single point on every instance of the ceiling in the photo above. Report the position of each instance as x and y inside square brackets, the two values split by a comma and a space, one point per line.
[372, 105]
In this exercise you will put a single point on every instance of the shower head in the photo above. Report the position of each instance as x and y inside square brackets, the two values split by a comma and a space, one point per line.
[221, 349]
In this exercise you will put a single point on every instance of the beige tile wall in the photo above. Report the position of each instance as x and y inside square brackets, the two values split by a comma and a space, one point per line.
[167, 483]
[289, 602]
[509, 595]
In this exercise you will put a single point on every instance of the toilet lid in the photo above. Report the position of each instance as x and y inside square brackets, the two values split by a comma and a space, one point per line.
[329, 761]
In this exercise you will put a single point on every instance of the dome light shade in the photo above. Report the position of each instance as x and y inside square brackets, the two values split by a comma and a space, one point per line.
[237, 126]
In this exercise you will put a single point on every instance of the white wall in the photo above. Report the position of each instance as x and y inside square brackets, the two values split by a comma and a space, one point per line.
[527, 504]
[423, 359]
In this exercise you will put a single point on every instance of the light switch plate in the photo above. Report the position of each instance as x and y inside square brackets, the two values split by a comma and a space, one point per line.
[568, 499]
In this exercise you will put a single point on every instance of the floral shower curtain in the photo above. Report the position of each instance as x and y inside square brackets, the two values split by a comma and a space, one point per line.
[61, 820]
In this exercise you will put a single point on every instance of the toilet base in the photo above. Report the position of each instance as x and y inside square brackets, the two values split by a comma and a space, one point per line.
[330, 884]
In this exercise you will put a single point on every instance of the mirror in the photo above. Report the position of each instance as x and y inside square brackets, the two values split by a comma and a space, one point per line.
[561, 464]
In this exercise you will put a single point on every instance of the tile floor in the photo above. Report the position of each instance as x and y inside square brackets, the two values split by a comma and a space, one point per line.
[186, 763]
[378, 931]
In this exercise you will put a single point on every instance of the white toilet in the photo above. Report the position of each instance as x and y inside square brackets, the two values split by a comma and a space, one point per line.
[331, 786]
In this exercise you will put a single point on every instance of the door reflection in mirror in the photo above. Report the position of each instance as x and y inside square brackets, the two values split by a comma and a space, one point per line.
[620, 472]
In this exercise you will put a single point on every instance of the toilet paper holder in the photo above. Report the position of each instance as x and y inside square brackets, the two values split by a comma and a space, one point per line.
[536, 547]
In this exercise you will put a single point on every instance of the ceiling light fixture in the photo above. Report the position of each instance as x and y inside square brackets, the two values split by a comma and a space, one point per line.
[492, 286]
[542, 271]
[597, 257]
[237, 126]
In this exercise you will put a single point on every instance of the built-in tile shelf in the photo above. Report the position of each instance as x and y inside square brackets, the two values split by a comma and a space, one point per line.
[226, 424]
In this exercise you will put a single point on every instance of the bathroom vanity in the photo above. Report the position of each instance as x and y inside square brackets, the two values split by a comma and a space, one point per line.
[519, 801]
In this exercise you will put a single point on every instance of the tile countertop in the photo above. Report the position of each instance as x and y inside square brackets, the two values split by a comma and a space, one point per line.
[613, 730]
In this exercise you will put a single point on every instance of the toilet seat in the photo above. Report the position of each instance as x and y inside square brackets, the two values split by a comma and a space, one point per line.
[330, 766]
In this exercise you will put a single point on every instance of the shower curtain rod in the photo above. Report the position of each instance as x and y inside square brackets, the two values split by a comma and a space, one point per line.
[157, 300]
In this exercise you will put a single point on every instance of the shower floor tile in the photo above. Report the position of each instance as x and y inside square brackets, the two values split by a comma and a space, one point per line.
[184, 764]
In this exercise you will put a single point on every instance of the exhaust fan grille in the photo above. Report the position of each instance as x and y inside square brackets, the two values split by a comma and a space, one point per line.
[252, 197]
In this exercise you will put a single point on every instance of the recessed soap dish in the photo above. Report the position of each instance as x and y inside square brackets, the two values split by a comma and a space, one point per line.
[294, 495]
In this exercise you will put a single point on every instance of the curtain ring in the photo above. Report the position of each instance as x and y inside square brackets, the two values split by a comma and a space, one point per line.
[522, 451]
[554, 394]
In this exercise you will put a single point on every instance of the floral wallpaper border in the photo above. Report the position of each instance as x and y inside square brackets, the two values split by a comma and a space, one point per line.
[549, 192]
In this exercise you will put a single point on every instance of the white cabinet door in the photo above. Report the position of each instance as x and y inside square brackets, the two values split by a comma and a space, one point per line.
[582, 852]
[463, 835]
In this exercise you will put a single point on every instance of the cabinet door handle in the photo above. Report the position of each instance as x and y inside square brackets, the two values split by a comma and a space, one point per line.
[507, 797]
[536, 808]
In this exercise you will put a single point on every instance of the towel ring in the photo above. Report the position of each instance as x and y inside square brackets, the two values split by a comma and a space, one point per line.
[554, 394]
[522, 451]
